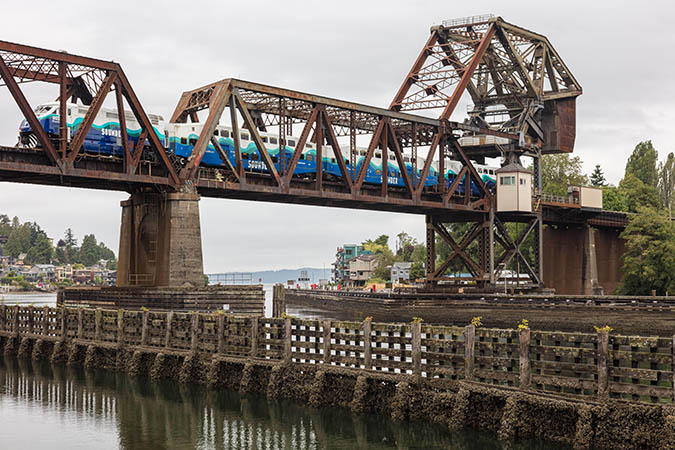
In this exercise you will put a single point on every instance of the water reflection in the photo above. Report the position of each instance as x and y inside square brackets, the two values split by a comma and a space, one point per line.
[46, 406]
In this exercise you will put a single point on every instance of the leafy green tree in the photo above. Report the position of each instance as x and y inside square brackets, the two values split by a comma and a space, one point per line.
[598, 177]
[405, 245]
[42, 252]
[666, 183]
[638, 194]
[111, 264]
[560, 171]
[614, 199]
[88, 254]
[642, 163]
[649, 261]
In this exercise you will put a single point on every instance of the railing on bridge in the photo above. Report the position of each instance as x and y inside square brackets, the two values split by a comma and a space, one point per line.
[580, 365]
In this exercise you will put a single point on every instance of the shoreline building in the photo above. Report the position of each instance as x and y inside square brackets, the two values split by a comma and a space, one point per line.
[342, 257]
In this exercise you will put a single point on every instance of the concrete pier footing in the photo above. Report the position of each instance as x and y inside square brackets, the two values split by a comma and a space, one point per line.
[160, 240]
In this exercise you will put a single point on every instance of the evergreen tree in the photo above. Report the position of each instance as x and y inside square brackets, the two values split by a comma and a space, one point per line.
[42, 252]
[88, 254]
[597, 177]
[649, 261]
[642, 163]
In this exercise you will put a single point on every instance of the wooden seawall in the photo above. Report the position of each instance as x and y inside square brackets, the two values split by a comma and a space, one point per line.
[594, 390]
[238, 299]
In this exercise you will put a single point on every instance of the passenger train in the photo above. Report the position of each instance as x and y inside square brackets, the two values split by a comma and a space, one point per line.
[105, 139]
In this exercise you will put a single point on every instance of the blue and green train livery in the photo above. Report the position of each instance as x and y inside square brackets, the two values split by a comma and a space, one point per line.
[104, 138]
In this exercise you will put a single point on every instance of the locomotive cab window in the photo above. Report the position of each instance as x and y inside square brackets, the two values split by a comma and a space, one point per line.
[193, 141]
[183, 141]
[291, 143]
[244, 137]
[225, 133]
[273, 140]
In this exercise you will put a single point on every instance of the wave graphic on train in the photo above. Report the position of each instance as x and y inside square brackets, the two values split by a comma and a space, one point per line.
[104, 138]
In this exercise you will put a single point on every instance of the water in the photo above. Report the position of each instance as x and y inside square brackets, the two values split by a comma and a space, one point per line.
[44, 406]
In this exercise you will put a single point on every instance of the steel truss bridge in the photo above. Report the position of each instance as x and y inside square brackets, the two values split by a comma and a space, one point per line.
[523, 99]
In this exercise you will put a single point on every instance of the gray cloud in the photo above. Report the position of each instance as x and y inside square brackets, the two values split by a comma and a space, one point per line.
[359, 51]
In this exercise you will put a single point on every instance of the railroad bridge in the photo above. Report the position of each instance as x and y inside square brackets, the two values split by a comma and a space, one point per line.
[523, 106]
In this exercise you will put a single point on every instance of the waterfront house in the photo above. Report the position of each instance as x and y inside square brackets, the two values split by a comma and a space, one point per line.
[400, 272]
[64, 273]
[361, 270]
[342, 257]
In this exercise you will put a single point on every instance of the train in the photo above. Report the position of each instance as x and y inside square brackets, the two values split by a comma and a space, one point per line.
[105, 139]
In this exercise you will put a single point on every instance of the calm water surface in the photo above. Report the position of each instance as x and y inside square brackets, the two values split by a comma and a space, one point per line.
[44, 406]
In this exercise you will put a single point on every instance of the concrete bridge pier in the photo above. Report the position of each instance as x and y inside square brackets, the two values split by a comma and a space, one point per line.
[160, 240]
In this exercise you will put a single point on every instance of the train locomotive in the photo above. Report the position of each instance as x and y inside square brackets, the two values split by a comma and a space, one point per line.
[105, 139]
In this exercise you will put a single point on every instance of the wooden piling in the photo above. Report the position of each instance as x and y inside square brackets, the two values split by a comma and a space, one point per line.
[367, 345]
[254, 337]
[288, 340]
[98, 314]
[469, 344]
[167, 338]
[31, 318]
[120, 326]
[417, 348]
[80, 323]
[144, 327]
[278, 300]
[3, 317]
[194, 344]
[603, 356]
[326, 341]
[45, 321]
[220, 319]
[64, 321]
[525, 370]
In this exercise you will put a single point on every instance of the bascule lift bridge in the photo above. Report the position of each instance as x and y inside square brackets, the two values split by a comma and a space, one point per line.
[523, 106]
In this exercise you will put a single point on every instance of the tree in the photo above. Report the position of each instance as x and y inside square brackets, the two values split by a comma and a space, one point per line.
[642, 163]
[597, 177]
[638, 194]
[42, 252]
[88, 254]
[69, 238]
[405, 245]
[19, 240]
[666, 183]
[614, 199]
[560, 171]
[649, 261]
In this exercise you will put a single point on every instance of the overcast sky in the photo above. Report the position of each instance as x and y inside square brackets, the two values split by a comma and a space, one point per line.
[620, 52]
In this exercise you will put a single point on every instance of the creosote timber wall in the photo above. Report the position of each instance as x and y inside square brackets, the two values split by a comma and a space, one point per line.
[568, 387]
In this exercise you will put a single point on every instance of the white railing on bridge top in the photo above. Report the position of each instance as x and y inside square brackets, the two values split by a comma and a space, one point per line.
[469, 20]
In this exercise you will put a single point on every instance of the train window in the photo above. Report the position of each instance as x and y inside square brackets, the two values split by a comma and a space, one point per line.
[406, 159]
[273, 140]
[378, 172]
[225, 133]
[244, 156]
[392, 173]
[193, 141]
[309, 157]
[216, 133]
[110, 115]
[275, 159]
[308, 146]
[346, 162]
[82, 111]
[378, 155]
[264, 139]
[70, 112]
[291, 143]
[332, 160]
[183, 141]
[302, 156]
[244, 137]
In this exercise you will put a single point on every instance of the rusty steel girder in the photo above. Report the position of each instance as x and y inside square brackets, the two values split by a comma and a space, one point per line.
[90, 81]
[322, 120]
[516, 80]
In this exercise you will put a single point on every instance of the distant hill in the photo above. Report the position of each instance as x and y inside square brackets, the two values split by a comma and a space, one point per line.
[283, 275]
